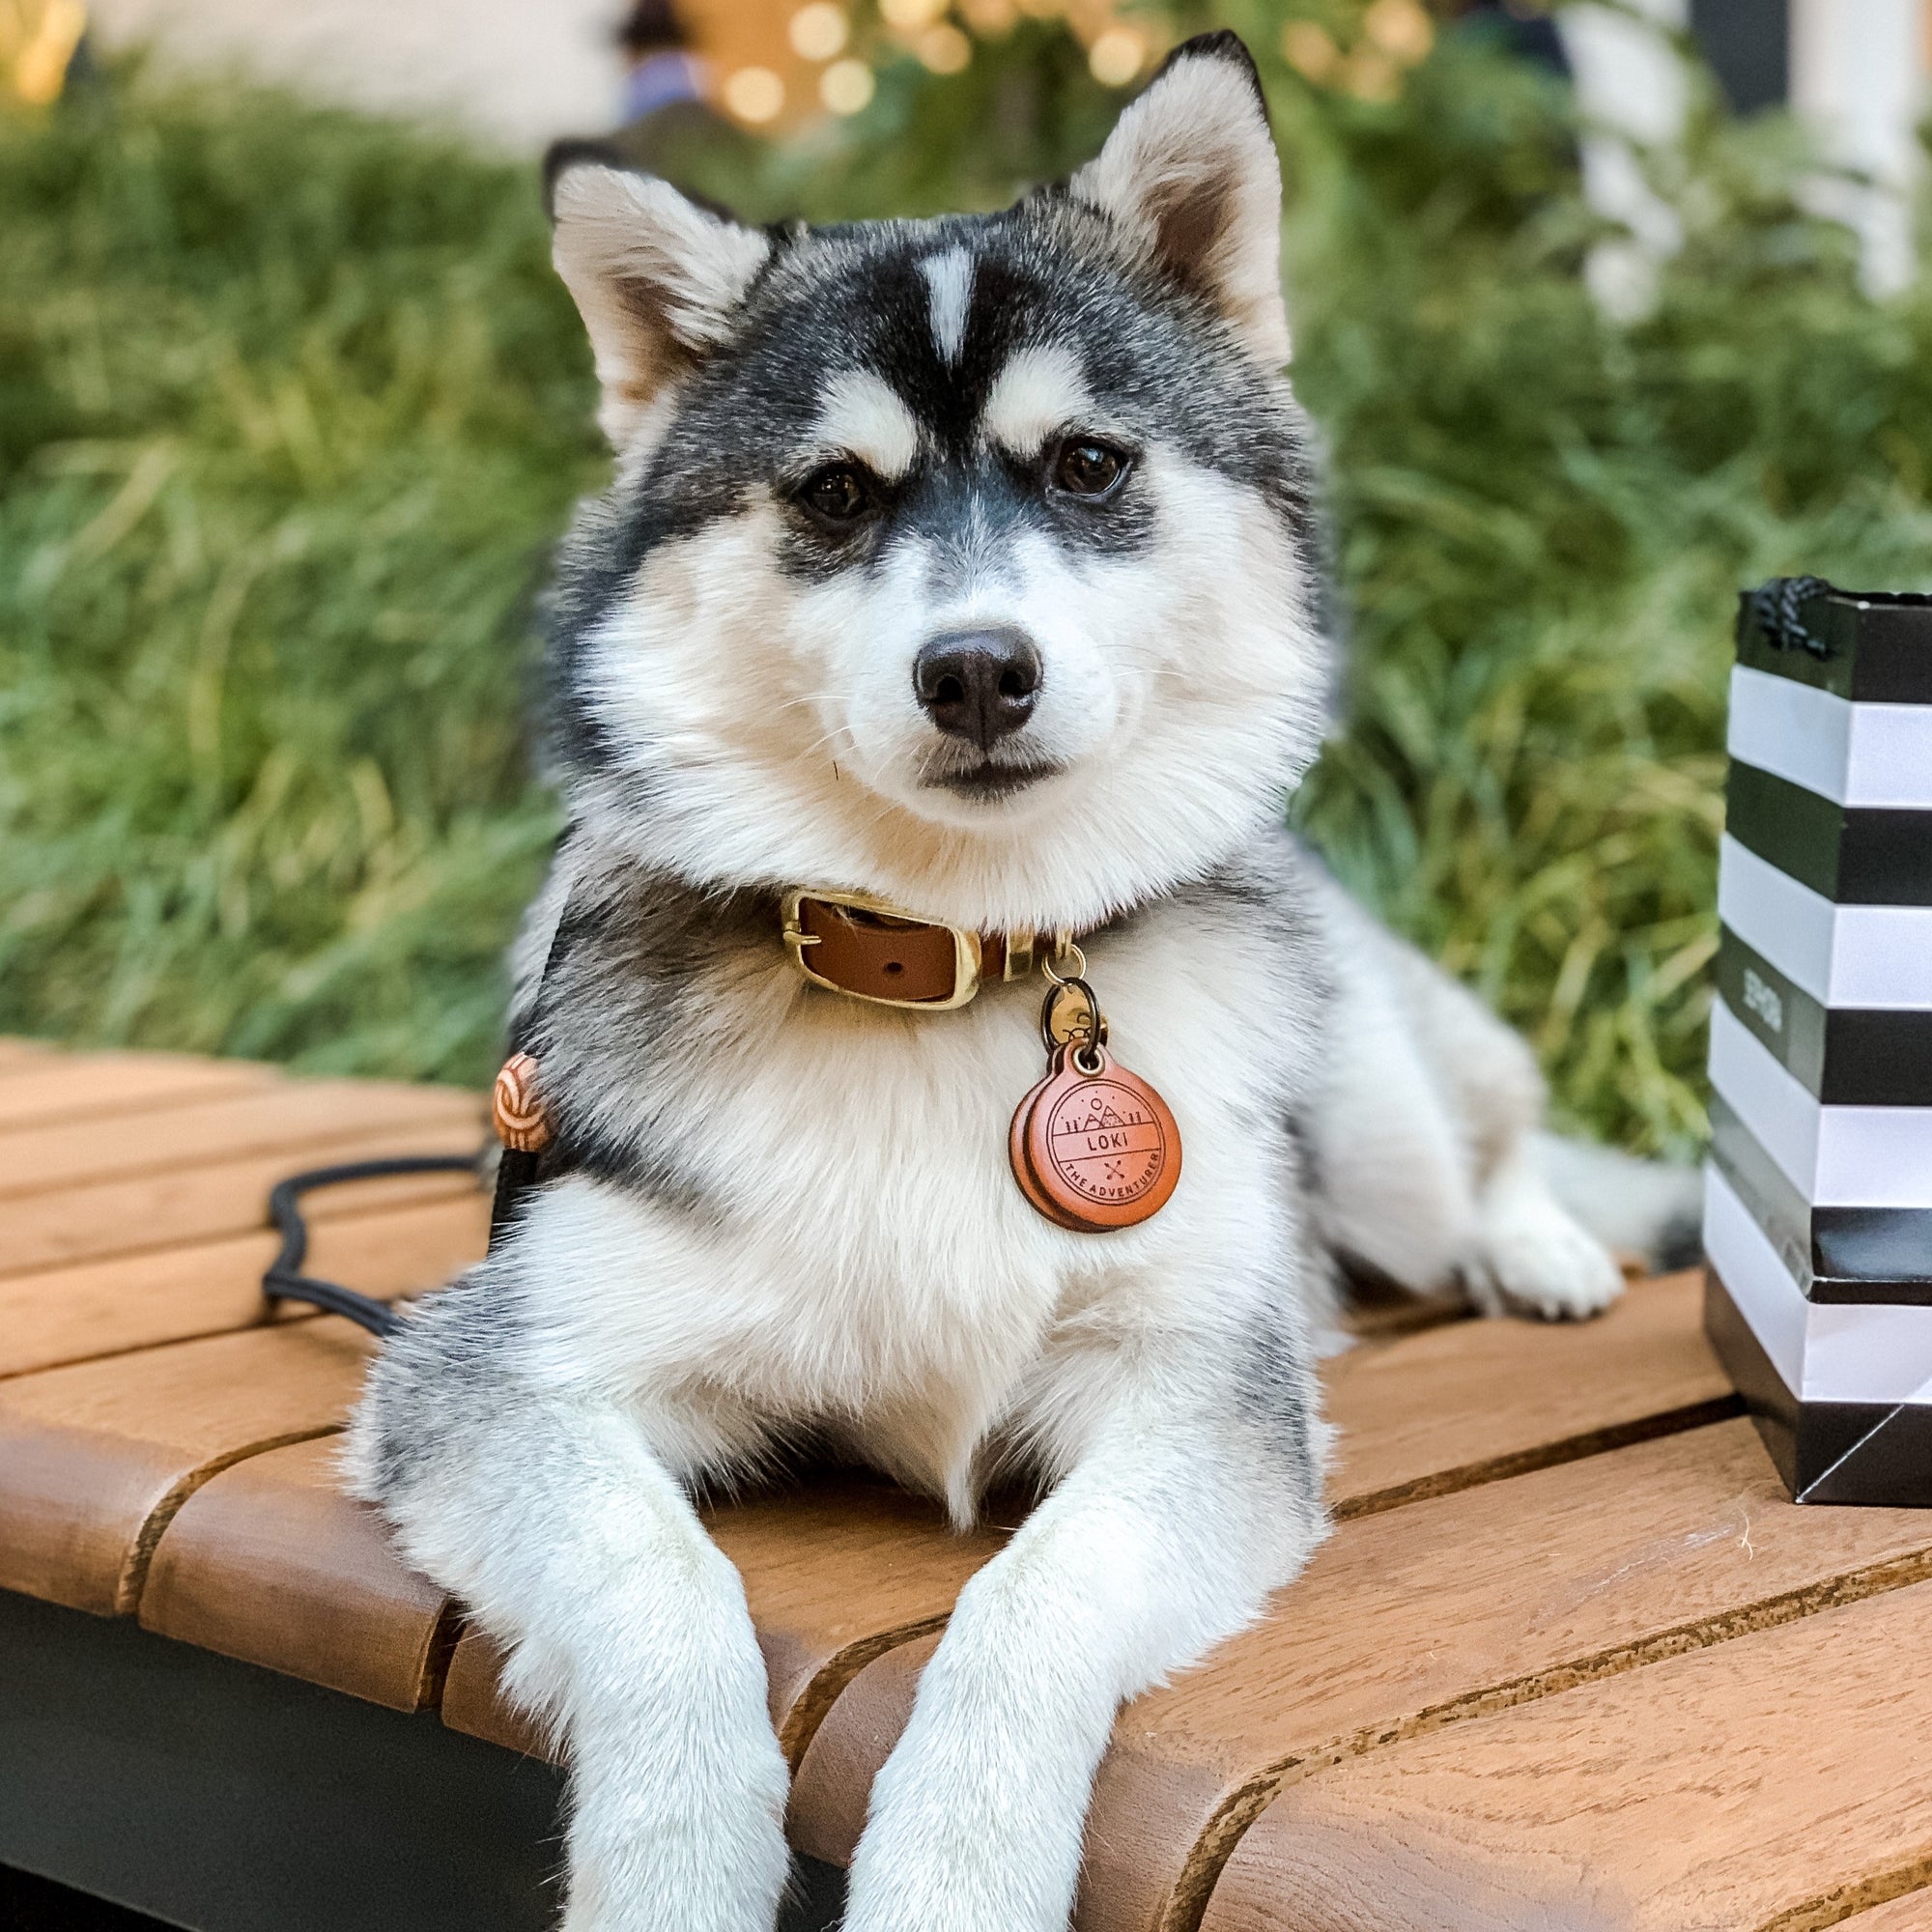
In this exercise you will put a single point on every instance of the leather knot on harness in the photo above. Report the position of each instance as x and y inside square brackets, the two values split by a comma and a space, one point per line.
[517, 1107]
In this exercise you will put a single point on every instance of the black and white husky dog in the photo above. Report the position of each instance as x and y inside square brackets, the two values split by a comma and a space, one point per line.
[965, 564]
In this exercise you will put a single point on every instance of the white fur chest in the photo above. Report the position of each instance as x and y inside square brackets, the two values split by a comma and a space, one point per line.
[857, 1253]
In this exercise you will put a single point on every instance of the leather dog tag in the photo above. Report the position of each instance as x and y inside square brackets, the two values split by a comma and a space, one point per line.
[1016, 1154]
[1094, 1147]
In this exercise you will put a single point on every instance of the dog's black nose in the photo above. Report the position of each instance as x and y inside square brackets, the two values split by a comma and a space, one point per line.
[977, 685]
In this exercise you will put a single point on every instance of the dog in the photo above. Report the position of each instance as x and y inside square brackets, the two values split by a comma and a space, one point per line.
[963, 568]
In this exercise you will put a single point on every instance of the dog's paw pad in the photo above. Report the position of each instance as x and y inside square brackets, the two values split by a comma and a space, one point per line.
[1532, 1259]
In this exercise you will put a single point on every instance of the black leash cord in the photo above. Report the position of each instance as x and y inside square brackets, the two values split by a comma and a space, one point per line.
[517, 1173]
[283, 1280]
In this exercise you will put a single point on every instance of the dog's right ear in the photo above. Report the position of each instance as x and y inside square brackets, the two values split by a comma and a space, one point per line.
[657, 279]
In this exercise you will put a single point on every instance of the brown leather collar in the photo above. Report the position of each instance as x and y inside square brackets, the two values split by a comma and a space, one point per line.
[870, 949]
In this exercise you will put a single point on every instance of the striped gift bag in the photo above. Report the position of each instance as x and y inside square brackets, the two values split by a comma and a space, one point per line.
[1818, 1205]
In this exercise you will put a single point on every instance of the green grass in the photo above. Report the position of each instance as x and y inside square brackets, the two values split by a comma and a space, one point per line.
[291, 408]
[1545, 523]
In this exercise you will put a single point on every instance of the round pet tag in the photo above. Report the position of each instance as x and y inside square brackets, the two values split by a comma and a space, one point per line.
[1022, 1173]
[1097, 1149]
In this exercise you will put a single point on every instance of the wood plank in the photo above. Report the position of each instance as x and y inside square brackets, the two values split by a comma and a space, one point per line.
[1475, 1401]
[1910, 1912]
[282, 1115]
[834, 1573]
[474, 1701]
[1408, 1621]
[268, 1561]
[1659, 1372]
[96, 1458]
[147, 1211]
[44, 1089]
[1426, 1412]
[137, 1301]
[1773, 1785]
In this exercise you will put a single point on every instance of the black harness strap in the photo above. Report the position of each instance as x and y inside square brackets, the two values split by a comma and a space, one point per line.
[517, 1173]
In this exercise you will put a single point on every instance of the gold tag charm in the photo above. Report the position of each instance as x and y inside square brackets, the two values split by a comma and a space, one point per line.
[1092, 1146]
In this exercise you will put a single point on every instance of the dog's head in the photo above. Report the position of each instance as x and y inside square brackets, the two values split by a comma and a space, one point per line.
[964, 561]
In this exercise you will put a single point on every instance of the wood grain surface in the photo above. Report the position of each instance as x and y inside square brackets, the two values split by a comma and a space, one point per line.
[473, 1701]
[1410, 1621]
[835, 1572]
[96, 1458]
[139, 1213]
[1422, 1411]
[39, 1088]
[268, 1561]
[1773, 1785]
[98, 1308]
[1910, 1912]
[1472, 1400]
[1570, 1661]
[267, 1116]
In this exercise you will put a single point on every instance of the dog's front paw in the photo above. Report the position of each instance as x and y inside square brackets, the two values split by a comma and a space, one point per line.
[679, 1840]
[1531, 1257]
[922, 1871]
[940, 1896]
[654, 1883]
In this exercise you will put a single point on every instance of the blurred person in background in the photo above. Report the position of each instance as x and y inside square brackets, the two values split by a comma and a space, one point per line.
[669, 127]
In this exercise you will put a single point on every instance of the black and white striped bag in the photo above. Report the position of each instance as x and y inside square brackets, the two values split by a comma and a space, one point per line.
[1818, 1214]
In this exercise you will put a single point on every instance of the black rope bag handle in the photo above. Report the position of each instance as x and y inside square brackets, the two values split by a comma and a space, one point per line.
[1777, 608]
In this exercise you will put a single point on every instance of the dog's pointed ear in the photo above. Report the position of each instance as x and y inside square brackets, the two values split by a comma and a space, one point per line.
[657, 279]
[1190, 178]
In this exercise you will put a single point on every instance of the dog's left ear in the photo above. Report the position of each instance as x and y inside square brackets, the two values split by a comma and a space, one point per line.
[657, 279]
[1190, 178]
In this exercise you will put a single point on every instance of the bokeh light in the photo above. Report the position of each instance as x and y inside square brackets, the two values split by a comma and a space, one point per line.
[1117, 56]
[989, 19]
[846, 86]
[40, 49]
[754, 94]
[1310, 49]
[819, 32]
[910, 16]
[1400, 28]
[945, 49]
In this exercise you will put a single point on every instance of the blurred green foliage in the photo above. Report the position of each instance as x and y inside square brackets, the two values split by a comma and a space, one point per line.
[291, 406]
[290, 410]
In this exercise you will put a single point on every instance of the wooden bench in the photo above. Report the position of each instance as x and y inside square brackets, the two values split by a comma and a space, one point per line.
[1569, 1660]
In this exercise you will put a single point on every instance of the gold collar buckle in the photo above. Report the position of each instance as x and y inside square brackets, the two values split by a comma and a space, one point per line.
[870, 949]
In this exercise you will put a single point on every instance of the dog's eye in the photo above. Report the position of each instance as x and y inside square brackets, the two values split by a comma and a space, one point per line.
[838, 493]
[1087, 469]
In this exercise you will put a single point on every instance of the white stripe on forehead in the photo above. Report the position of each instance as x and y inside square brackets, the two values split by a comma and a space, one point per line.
[863, 416]
[1039, 391]
[950, 277]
